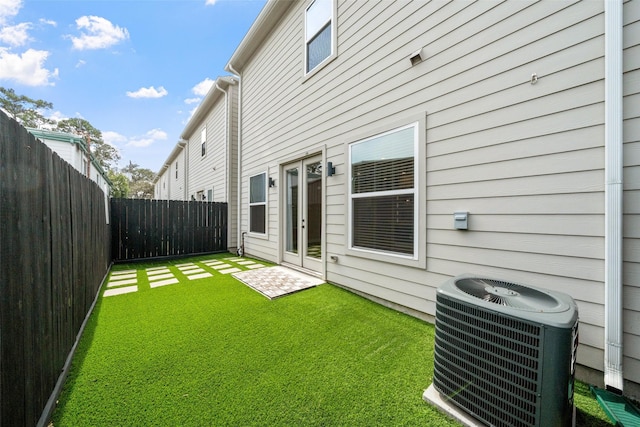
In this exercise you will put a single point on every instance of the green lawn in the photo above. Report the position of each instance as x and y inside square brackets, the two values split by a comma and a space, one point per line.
[214, 352]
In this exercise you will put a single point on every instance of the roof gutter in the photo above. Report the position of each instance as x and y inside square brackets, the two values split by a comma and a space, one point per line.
[613, 325]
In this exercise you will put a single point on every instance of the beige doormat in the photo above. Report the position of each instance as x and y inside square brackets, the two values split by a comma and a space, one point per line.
[274, 282]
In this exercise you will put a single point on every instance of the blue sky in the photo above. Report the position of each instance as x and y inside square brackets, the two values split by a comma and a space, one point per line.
[135, 69]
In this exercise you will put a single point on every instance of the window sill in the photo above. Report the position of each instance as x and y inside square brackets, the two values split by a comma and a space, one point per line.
[329, 59]
[388, 257]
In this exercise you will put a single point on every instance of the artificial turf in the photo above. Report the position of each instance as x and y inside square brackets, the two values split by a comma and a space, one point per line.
[213, 352]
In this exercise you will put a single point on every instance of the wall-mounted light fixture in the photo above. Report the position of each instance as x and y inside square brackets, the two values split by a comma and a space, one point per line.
[331, 170]
[417, 57]
[272, 182]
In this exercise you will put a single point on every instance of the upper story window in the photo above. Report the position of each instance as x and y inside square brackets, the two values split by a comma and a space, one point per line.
[319, 40]
[383, 193]
[203, 141]
[258, 203]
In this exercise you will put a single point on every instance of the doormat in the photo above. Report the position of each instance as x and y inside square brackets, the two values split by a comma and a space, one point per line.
[274, 282]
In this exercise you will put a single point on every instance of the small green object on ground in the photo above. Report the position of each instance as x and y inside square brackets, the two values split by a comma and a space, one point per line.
[618, 408]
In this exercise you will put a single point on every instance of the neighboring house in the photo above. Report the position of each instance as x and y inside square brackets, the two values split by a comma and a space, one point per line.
[73, 149]
[364, 126]
[169, 182]
[203, 164]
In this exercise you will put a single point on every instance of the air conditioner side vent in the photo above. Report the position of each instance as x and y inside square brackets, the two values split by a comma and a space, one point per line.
[489, 363]
[500, 358]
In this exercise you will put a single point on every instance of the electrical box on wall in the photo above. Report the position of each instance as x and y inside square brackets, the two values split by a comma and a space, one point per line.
[461, 220]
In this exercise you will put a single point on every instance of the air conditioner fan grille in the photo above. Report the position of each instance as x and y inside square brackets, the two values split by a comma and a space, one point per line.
[509, 294]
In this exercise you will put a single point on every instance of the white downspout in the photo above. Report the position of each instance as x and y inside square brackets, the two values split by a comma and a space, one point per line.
[226, 139]
[239, 171]
[613, 324]
[185, 181]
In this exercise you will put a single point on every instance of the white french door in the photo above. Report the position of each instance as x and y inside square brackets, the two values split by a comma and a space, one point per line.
[303, 209]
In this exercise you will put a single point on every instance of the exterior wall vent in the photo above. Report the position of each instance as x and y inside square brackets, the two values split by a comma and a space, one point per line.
[417, 57]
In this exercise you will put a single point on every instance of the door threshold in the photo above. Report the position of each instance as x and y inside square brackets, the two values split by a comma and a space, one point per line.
[303, 270]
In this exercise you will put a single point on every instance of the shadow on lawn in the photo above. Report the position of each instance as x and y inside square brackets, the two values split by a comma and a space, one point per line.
[79, 356]
[587, 420]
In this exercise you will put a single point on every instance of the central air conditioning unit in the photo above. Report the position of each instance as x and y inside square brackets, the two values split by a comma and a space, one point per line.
[505, 353]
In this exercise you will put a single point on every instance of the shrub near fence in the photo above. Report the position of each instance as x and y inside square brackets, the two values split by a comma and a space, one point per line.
[54, 254]
[166, 228]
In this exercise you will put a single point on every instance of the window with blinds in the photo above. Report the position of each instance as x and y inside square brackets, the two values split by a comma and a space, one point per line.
[318, 32]
[258, 203]
[382, 194]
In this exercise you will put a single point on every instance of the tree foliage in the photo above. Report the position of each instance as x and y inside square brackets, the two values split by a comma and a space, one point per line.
[106, 154]
[140, 181]
[23, 109]
[120, 183]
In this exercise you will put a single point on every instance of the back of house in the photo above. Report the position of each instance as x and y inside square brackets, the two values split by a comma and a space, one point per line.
[364, 126]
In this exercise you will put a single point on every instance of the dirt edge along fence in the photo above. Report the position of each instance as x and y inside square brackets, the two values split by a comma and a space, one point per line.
[143, 229]
[54, 254]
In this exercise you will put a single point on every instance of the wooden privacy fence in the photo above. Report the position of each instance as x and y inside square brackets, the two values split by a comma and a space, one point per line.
[166, 228]
[54, 254]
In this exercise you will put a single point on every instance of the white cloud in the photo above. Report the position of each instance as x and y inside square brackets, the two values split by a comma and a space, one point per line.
[113, 138]
[15, 35]
[147, 139]
[9, 9]
[27, 68]
[148, 92]
[47, 22]
[210, 2]
[202, 88]
[97, 33]
[157, 134]
[192, 100]
[80, 63]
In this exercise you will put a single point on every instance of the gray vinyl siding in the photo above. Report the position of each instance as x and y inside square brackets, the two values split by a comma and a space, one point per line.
[631, 225]
[217, 169]
[209, 171]
[526, 160]
[177, 185]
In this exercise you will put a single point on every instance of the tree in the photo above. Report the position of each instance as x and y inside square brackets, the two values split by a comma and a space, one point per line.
[140, 181]
[120, 183]
[106, 154]
[23, 109]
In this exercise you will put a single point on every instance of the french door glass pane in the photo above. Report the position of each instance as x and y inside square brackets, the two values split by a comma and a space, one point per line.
[292, 210]
[314, 210]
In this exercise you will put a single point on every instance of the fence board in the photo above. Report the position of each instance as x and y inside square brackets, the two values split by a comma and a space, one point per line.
[144, 229]
[54, 246]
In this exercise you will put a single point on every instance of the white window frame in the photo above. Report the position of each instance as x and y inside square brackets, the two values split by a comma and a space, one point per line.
[203, 141]
[416, 257]
[262, 203]
[307, 38]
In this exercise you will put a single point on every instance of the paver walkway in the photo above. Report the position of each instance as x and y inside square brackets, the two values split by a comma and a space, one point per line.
[272, 282]
[126, 281]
